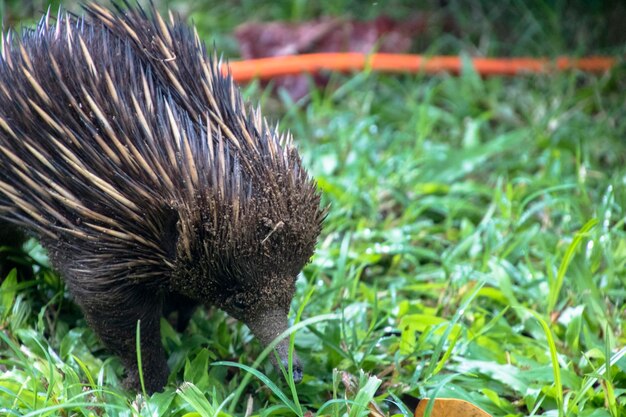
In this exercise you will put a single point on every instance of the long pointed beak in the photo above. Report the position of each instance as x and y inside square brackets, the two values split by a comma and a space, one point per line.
[268, 325]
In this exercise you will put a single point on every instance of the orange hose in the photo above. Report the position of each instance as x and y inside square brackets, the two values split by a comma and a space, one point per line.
[266, 68]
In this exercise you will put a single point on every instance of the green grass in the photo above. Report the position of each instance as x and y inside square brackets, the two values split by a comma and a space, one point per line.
[475, 248]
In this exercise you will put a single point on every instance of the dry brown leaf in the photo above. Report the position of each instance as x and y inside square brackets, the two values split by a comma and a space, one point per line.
[450, 407]
[375, 410]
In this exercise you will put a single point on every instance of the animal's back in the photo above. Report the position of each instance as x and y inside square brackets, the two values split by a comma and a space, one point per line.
[72, 139]
[106, 124]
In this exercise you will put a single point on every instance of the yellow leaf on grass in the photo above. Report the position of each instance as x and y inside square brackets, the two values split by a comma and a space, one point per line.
[450, 407]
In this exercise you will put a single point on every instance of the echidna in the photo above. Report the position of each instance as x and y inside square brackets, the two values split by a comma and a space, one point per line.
[129, 153]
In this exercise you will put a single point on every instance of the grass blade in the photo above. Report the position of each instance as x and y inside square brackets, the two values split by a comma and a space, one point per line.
[556, 285]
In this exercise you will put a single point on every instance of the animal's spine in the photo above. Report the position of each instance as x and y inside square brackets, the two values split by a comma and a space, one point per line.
[158, 113]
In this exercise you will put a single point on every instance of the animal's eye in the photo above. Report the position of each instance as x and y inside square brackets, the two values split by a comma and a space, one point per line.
[239, 302]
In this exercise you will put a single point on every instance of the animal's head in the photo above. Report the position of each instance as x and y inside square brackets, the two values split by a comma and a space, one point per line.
[242, 242]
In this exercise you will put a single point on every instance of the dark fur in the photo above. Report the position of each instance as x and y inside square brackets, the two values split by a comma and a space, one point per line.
[11, 240]
[135, 161]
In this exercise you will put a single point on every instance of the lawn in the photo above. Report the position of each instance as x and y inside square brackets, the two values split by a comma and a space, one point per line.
[474, 246]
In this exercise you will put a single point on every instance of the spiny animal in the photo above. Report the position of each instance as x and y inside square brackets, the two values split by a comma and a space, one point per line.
[132, 157]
